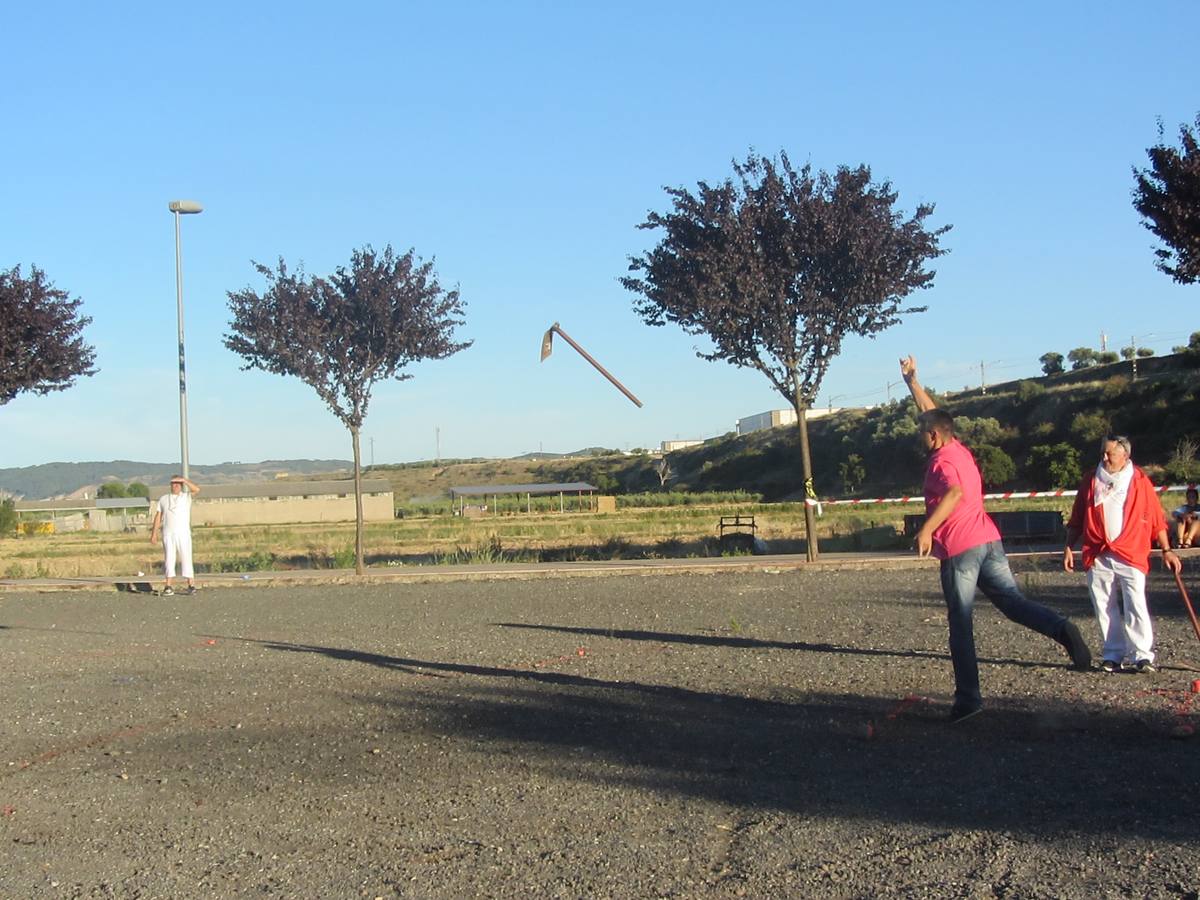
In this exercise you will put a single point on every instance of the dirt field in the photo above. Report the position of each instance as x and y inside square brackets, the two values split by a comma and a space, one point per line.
[658, 736]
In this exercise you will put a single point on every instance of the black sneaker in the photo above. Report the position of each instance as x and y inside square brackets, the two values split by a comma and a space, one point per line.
[1076, 646]
[1109, 665]
[1144, 667]
[168, 592]
[190, 590]
[962, 713]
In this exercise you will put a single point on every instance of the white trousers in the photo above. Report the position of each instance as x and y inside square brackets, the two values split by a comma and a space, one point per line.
[178, 546]
[1119, 598]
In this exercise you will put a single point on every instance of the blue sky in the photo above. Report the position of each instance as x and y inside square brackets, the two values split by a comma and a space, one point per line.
[519, 145]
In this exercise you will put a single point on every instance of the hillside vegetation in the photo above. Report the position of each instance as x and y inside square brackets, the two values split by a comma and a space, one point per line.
[1037, 433]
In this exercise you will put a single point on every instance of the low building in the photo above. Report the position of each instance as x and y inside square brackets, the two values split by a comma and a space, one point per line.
[287, 502]
[668, 446]
[64, 516]
[776, 417]
[249, 503]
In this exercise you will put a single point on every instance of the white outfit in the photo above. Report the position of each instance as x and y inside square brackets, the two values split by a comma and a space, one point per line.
[1119, 598]
[176, 512]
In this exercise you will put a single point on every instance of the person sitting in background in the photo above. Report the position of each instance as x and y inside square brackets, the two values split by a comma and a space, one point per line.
[1187, 519]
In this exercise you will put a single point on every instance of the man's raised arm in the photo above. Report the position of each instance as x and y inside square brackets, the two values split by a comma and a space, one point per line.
[908, 371]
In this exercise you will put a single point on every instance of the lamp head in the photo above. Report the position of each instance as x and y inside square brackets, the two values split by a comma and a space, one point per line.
[185, 206]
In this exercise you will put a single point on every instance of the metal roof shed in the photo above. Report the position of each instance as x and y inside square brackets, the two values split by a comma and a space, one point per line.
[579, 488]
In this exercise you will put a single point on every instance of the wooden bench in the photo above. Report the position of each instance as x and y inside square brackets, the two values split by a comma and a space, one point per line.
[1034, 526]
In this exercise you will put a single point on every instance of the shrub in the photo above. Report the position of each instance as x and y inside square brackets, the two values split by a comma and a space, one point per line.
[1053, 466]
[1113, 388]
[1090, 427]
[8, 517]
[1183, 467]
[1028, 391]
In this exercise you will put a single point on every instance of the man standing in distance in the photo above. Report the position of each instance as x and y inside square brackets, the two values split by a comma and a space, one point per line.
[1117, 512]
[174, 516]
[960, 533]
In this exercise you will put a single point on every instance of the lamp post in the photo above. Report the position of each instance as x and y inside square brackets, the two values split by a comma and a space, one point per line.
[182, 208]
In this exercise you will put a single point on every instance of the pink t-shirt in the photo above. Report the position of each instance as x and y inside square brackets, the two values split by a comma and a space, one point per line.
[968, 525]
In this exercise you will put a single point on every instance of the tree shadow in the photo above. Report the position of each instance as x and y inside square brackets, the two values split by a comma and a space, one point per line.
[1035, 770]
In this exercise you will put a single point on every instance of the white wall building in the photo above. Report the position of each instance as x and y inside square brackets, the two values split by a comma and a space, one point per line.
[776, 417]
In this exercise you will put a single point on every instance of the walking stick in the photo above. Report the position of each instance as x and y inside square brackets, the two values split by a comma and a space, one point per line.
[1188, 603]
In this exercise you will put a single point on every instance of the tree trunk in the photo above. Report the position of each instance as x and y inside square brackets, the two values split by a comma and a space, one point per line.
[359, 569]
[810, 522]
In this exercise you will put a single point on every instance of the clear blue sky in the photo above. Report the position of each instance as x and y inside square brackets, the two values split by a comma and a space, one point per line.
[519, 145]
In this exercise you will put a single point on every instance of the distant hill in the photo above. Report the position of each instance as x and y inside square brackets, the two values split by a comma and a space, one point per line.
[52, 480]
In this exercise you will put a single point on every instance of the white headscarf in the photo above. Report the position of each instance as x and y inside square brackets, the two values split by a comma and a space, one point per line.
[1111, 489]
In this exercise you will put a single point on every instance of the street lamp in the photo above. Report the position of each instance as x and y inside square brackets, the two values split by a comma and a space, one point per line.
[182, 208]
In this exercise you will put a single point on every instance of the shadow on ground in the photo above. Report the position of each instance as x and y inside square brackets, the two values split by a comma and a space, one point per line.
[1041, 771]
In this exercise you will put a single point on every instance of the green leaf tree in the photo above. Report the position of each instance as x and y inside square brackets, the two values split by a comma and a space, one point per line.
[1053, 466]
[1052, 363]
[1167, 195]
[1082, 358]
[8, 517]
[110, 490]
[996, 467]
[41, 336]
[343, 334]
[777, 265]
[853, 473]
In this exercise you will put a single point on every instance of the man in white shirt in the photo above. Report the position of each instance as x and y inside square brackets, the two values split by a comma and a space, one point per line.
[173, 517]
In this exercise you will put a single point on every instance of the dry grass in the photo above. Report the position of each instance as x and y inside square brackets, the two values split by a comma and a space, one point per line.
[653, 532]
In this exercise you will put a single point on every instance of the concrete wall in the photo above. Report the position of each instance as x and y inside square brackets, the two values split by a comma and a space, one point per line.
[289, 510]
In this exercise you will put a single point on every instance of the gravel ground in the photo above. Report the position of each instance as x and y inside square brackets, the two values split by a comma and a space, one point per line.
[639, 736]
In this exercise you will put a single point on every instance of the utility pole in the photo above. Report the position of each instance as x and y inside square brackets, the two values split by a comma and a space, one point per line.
[1133, 355]
[437, 437]
[372, 453]
[1103, 342]
[982, 379]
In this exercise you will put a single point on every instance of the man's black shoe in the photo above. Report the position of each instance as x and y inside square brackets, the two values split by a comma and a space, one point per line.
[1109, 665]
[962, 713]
[1076, 646]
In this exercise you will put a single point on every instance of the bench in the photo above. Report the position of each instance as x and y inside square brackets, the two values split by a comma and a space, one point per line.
[1019, 527]
[737, 532]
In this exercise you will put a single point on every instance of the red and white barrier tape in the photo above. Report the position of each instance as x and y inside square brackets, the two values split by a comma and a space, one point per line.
[1007, 495]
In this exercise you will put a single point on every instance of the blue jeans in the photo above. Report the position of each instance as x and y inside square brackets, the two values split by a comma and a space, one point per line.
[985, 567]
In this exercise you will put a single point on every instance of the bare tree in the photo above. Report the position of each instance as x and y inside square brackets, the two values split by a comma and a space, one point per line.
[342, 334]
[662, 469]
[41, 336]
[777, 265]
[1168, 197]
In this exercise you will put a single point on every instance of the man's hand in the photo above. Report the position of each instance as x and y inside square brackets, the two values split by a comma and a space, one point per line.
[1172, 561]
[154, 537]
[908, 368]
[924, 542]
[1068, 560]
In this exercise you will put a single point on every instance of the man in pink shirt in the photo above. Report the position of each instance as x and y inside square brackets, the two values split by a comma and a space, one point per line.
[963, 536]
